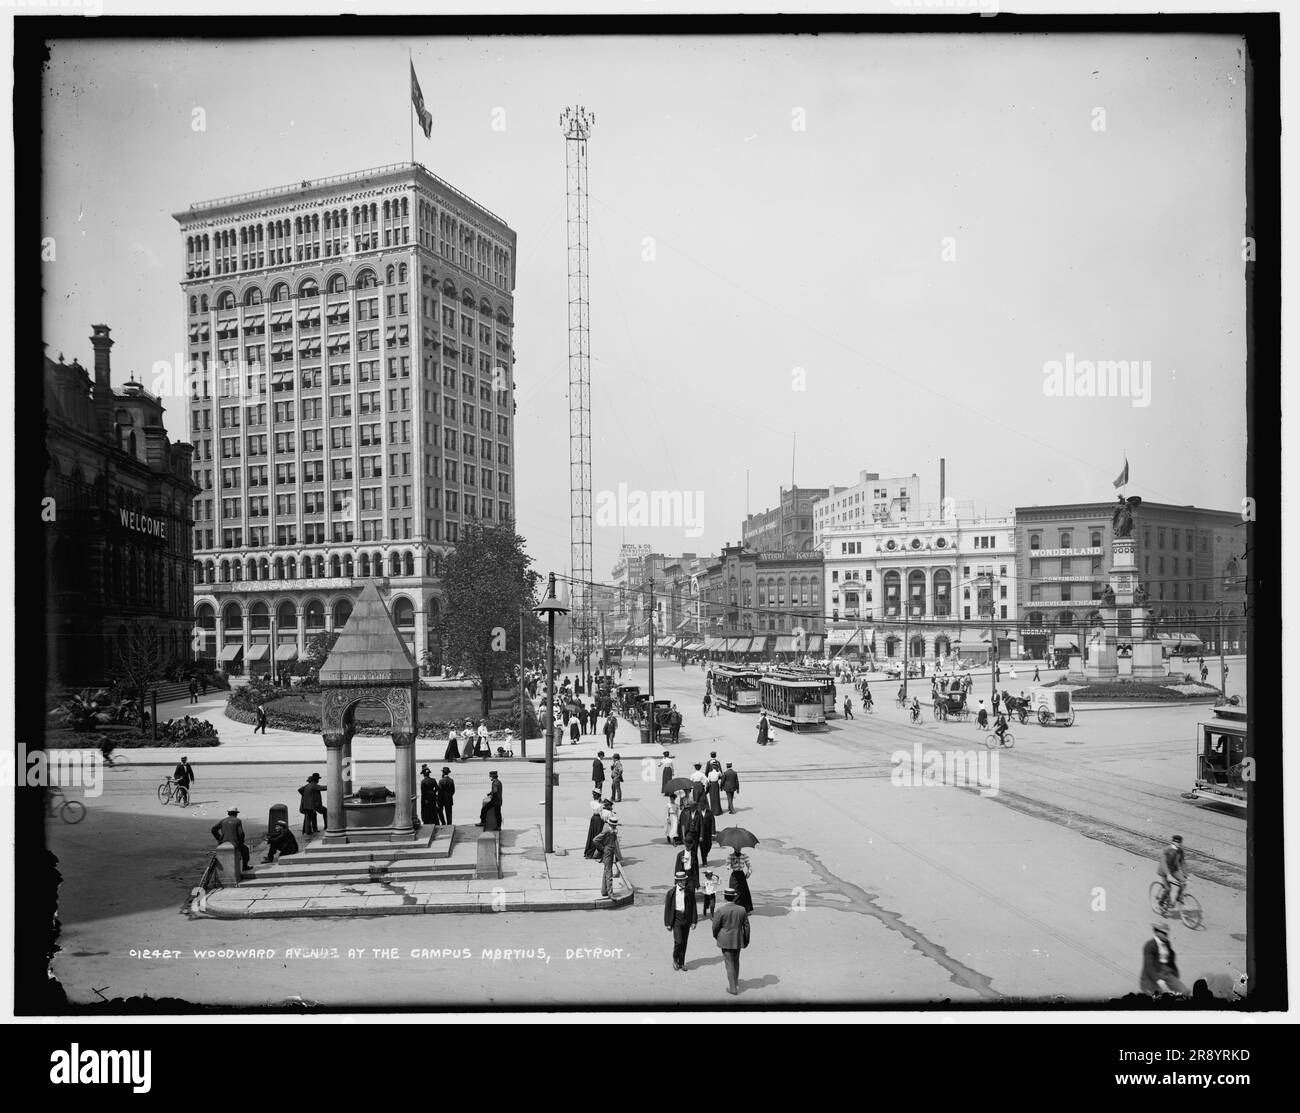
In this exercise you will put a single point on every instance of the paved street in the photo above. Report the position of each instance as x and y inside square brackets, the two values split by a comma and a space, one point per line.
[864, 890]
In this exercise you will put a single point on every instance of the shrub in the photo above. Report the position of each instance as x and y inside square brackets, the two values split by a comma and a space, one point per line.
[197, 732]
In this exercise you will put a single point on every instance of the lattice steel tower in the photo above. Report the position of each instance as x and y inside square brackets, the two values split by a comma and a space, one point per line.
[576, 123]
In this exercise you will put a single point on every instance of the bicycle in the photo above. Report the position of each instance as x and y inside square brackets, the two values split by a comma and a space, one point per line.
[1187, 907]
[115, 759]
[915, 715]
[70, 811]
[171, 789]
[1008, 740]
[900, 701]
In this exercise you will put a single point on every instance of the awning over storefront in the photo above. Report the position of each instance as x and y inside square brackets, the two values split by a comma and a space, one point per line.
[758, 645]
[257, 652]
[231, 652]
[815, 643]
[714, 645]
[665, 643]
[286, 652]
[785, 643]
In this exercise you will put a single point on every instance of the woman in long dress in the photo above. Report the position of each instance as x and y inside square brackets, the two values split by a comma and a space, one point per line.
[738, 863]
[670, 821]
[453, 746]
[428, 797]
[715, 796]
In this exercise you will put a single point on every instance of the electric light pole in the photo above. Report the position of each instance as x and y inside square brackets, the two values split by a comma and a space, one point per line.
[550, 607]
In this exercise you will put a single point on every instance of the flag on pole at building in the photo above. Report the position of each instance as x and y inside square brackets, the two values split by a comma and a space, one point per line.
[417, 99]
[1122, 481]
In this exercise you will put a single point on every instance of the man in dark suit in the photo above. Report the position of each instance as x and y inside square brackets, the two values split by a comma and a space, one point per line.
[446, 791]
[231, 830]
[730, 785]
[712, 764]
[731, 930]
[492, 806]
[679, 917]
[707, 828]
[1159, 965]
[598, 772]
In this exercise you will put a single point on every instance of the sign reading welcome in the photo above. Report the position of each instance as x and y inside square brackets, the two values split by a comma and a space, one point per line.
[143, 523]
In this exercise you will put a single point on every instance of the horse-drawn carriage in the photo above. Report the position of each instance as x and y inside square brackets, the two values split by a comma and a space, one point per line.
[626, 696]
[1053, 707]
[951, 704]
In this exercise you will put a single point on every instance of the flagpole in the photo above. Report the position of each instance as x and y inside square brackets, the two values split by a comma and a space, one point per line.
[411, 101]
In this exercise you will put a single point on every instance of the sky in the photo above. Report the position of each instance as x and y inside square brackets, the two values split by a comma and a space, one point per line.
[810, 256]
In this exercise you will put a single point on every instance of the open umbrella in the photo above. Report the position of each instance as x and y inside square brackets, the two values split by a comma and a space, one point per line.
[678, 784]
[737, 838]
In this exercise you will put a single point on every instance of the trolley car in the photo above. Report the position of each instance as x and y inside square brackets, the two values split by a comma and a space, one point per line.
[793, 704]
[825, 679]
[1223, 758]
[736, 689]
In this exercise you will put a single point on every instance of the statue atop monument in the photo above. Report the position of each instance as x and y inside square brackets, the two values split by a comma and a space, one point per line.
[1108, 596]
[1122, 520]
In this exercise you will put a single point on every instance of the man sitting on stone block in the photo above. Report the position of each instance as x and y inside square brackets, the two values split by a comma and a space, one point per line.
[280, 841]
[231, 830]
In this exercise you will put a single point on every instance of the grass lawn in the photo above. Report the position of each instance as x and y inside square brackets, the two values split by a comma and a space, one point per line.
[1139, 690]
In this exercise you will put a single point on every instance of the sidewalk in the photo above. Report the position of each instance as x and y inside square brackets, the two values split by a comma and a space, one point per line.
[531, 881]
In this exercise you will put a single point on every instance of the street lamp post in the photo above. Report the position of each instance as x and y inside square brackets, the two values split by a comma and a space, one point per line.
[550, 607]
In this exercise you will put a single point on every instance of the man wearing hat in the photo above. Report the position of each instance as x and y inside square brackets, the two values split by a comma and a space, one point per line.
[679, 917]
[231, 830]
[713, 763]
[311, 804]
[731, 930]
[1170, 869]
[446, 793]
[1159, 965]
[490, 814]
[608, 853]
[730, 785]
[598, 771]
[430, 812]
[280, 841]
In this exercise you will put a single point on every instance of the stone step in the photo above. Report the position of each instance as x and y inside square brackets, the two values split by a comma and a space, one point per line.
[439, 846]
[287, 869]
[352, 878]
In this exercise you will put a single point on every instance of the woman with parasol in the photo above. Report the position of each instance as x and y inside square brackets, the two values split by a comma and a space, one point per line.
[737, 839]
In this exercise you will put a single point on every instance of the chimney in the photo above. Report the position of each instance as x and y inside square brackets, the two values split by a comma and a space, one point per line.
[102, 342]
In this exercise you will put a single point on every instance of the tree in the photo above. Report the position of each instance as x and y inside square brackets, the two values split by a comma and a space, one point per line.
[141, 657]
[314, 656]
[488, 582]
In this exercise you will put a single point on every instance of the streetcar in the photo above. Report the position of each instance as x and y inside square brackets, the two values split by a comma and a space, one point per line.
[1224, 758]
[825, 679]
[793, 704]
[736, 688]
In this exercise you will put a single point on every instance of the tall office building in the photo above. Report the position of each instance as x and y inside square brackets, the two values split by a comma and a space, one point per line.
[351, 401]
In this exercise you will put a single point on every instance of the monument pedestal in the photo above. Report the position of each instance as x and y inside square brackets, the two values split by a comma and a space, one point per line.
[1103, 661]
[1148, 661]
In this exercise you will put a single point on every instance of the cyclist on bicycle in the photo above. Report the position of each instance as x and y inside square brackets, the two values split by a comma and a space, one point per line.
[106, 748]
[1170, 868]
[866, 696]
[1000, 729]
[915, 709]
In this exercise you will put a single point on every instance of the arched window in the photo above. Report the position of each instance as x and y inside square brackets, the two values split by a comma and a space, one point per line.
[226, 300]
[280, 292]
[893, 590]
[291, 568]
[315, 615]
[347, 565]
[307, 288]
[1065, 539]
[335, 569]
[1035, 618]
[260, 616]
[408, 564]
[194, 305]
[365, 566]
[225, 571]
[211, 576]
[342, 612]
[279, 568]
[1096, 539]
[942, 587]
[394, 564]
[263, 569]
[286, 617]
[367, 280]
[917, 648]
[391, 275]
[232, 619]
[1065, 618]
[1035, 540]
[401, 273]
[337, 284]
[252, 296]
[403, 613]
[320, 566]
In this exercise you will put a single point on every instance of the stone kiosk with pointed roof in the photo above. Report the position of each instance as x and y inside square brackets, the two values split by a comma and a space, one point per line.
[369, 665]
